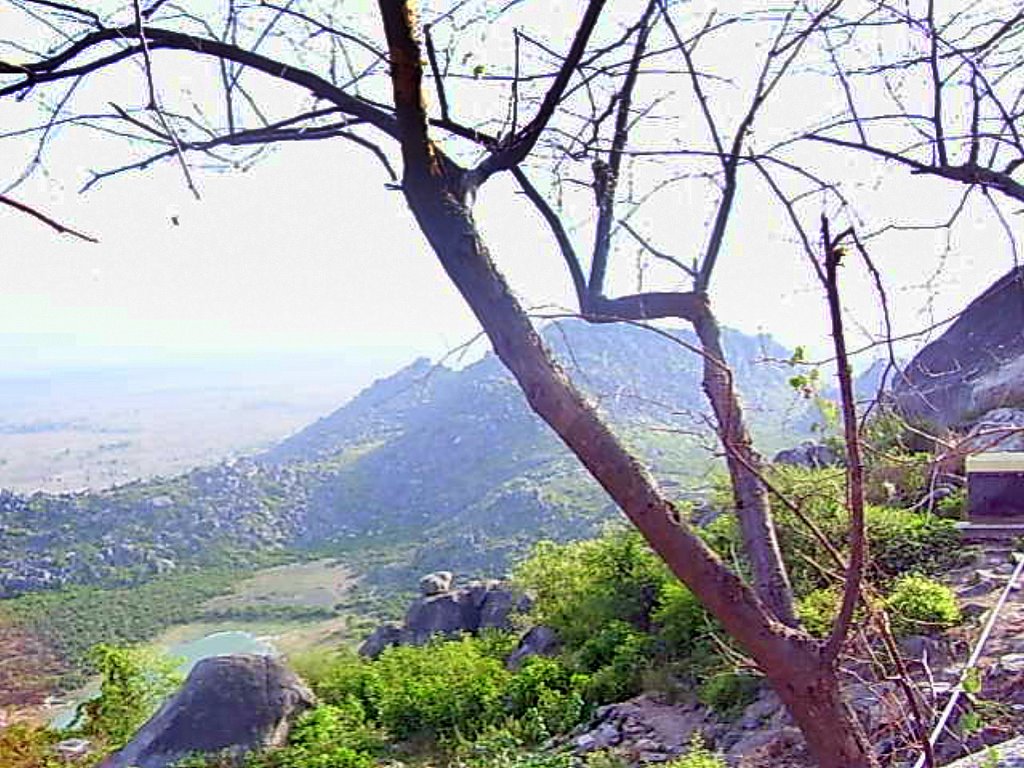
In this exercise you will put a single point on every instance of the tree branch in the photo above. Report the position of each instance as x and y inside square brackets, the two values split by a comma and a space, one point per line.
[53, 223]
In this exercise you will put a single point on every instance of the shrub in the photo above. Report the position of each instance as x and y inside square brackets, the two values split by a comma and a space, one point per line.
[134, 682]
[916, 604]
[499, 748]
[903, 541]
[817, 610]
[28, 746]
[614, 659]
[954, 506]
[583, 586]
[729, 693]
[328, 736]
[680, 620]
[444, 690]
[544, 698]
[336, 676]
[697, 756]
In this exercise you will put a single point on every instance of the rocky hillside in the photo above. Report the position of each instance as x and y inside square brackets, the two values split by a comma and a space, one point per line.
[975, 366]
[449, 463]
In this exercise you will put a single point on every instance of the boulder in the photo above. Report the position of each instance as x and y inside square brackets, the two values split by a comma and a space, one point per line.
[436, 583]
[384, 636]
[478, 605]
[538, 641]
[445, 614]
[228, 703]
[972, 368]
[810, 455]
[1001, 429]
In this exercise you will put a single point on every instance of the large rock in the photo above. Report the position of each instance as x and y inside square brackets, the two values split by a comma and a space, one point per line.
[1001, 429]
[479, 605]
[384, 636]
[436, 583]
[977, 365]
[809, 455]
[228, 703]
[538, 641]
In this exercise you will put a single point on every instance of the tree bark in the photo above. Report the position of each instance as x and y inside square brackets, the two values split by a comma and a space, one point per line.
[753, 507]
[435, 190]
[806, 684]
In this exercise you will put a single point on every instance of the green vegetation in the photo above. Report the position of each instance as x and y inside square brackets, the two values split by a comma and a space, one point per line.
[902, 540]
[29, 746]
[697, 756]
[918, 604]
[729, 693]
[134, 681]
[626, 625]
[76, 619]
[451, 692]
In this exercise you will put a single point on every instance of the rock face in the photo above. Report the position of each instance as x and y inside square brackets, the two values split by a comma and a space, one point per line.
[538, 641]
[235, 703]
[448, 612]
[1001, 429]
[809, 455]
[974, 367]
[436, 583]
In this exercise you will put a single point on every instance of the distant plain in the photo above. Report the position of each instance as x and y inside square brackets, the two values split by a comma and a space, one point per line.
[92, 428]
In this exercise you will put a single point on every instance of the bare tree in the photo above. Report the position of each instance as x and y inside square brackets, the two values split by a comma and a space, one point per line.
[936, 89]
[614, 115]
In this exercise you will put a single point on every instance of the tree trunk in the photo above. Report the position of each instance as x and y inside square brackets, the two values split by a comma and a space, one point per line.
[753, 507]
[790, 659]
[435, 190]
[814, 698]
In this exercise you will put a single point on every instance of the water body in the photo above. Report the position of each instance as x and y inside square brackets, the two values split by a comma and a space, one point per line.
[219, 644]
[191, 652]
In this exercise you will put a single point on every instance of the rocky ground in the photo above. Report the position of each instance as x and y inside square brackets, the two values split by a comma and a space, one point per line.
[650, 729]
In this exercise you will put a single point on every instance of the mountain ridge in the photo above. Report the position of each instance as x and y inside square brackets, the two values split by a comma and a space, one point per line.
[451, 462]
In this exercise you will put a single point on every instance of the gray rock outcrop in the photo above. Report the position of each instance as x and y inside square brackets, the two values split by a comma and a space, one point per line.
[228, 703]
[538, 641]
[974, 367]
[1001, 429]
[456, 610]
[809, 455]
[436, 583]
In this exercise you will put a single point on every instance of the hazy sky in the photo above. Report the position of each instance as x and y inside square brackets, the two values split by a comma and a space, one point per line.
[309, 251]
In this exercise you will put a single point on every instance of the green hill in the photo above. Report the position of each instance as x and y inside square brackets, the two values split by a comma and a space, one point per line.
[428, 467]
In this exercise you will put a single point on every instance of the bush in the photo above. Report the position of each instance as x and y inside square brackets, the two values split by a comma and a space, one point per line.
[817, 610]
[545, 698]
[134, 682]
[954, 506]
[614, 658]
[328, 736]
[336, 676]
[499, 748]
[27, 746]
[918, 604]
[697, 756]
[445, 690]
[680, 620]
[729, 693]
[581, 587]
[902, 542]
